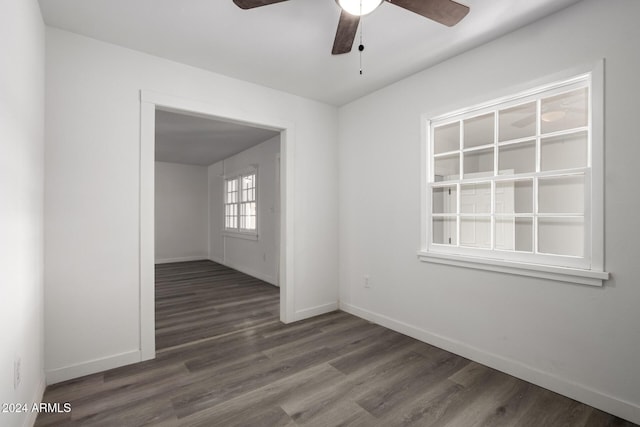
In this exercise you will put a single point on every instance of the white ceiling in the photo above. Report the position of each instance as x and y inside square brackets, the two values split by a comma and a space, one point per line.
[287, 46]
[200, 141]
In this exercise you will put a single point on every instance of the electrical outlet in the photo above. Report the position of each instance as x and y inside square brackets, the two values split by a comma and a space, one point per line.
[367, 282]
[17, 375]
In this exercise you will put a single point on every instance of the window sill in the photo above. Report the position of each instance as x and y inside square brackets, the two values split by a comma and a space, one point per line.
[240, 235]
[562, 274]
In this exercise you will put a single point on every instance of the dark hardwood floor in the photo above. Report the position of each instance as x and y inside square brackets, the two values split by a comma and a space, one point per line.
[202, 299]
[225, 360]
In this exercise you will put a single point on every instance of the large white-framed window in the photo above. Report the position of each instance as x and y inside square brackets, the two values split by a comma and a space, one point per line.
[516, 184]
[241, 203]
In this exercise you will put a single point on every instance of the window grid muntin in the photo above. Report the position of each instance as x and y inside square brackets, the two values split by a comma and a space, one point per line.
[231, 203]
[241, 203]
[248, 213]
[537, 96]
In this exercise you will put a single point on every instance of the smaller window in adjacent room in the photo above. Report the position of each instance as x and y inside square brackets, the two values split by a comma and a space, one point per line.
[516, 184]
[240, 208]
[248, 204]
[231, 204]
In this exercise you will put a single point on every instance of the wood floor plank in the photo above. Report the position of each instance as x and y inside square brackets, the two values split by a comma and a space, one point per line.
[266, 396]
[224, 359]
[200, 299]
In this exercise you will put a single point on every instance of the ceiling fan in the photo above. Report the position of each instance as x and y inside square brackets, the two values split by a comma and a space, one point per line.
[446, 12]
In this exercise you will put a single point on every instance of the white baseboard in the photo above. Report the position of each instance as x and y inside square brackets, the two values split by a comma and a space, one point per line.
[91, 367]
[216, 259]
[37, 398]
[257, 274]
[306, 313]
[611, 404]
[181, 259]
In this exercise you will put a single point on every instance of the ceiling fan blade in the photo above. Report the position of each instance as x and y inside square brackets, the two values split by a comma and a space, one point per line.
[446, 12]
[346, 33]
[250, 4]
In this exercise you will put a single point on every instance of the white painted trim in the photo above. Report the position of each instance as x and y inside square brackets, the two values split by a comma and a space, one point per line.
[264, 277]
[240, 235]
[37, 398]
[597, 166]
[564, 386]
[306, 313]
[587, 270]
[151, 100]
[248, 170]
[287, 206]
[147, 232]
[93, 366]
[561, 274]
[216, 259]
[182, 259]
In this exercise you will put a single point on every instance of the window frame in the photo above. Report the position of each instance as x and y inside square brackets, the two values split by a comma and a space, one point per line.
[238, 231]
[589, 270]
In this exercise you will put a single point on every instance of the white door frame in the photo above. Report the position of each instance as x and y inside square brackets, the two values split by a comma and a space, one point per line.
[149, 101]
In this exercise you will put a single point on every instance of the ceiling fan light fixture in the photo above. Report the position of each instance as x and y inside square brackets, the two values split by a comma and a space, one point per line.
[359, 7]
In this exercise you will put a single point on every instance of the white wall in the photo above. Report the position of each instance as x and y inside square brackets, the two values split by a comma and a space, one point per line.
[578, 340]
[92, 206]
[22, 49]
[181, 212]
[258, 258]
[216, 214]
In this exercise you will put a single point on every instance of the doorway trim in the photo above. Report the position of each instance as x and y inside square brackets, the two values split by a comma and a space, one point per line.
[149, 102]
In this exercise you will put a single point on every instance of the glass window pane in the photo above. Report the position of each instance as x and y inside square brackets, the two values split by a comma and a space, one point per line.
[475, 198]
[446, 138]
[561, 236]
[514, 197]
[232, 197]
[524, 234]
[564, 194]
[479, 130]
[564, 152]
[247, 181]
[444, 199]
[565, 111]
[478, 163]
[514, 234]
[517, 158]
[517, 122]
[475, 232]
[444, 231]
[447, 168]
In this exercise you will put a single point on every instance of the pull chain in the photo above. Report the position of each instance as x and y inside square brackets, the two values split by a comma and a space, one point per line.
[361, 47]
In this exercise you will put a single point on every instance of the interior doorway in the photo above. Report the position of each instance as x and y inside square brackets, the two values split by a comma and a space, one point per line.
[150, 104]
